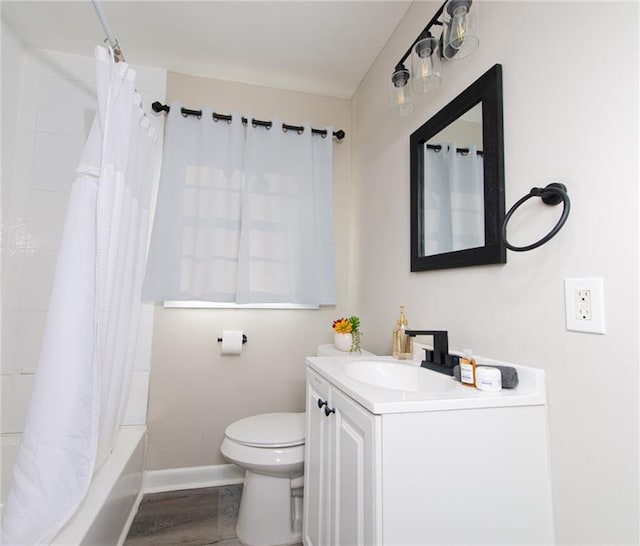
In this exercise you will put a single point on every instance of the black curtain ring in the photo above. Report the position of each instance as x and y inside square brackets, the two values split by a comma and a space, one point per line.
[552, 194]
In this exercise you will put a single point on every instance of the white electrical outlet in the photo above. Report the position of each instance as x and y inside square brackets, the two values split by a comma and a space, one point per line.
[584, 305]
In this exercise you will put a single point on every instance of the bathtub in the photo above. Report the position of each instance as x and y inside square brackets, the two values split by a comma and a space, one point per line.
[105, 515]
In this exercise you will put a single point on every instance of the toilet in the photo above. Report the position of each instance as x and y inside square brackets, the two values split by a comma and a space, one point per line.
[270, 447]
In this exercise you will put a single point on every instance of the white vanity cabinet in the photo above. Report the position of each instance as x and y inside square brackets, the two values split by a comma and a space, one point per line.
[342, 455]
[317, 480]
[462, 468]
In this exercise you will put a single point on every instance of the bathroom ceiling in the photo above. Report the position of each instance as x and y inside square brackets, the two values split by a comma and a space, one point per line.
[320, 47]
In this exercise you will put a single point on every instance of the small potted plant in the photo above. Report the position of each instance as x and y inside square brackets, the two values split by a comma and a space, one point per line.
[347, 334]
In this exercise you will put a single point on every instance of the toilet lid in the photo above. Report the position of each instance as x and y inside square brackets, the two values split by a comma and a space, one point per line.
[268, 430]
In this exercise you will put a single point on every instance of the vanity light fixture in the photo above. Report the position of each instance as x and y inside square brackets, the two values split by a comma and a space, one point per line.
[458, 39]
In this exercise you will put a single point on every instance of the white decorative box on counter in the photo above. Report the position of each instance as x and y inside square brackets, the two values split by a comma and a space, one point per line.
[397, 454]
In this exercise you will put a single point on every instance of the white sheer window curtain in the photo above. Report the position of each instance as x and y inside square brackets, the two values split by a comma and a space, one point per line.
[244, 214]
[454, 199]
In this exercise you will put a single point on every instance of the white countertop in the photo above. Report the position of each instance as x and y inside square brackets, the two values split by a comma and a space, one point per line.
[447, 393]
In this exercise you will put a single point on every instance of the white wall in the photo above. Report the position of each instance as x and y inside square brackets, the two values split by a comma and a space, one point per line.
[570, 115]
[48, 105]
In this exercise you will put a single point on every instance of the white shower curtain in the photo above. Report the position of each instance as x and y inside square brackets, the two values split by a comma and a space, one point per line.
[82, 380]
[453, 199]
[244, 214]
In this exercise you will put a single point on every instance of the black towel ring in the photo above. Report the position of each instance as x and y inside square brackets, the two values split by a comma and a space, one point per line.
[552, 194]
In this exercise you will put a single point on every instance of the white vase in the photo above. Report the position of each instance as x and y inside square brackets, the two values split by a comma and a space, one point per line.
[342, 342]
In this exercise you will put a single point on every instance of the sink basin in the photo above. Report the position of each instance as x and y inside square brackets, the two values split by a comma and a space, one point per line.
[398, 376]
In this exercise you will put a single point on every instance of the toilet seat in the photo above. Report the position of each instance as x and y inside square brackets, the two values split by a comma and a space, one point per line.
[269, 430]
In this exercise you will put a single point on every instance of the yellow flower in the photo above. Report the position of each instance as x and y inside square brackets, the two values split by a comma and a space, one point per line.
[342, 326]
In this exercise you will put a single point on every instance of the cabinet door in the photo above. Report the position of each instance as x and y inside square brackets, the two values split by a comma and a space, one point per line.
[356, 499]
[317, 469]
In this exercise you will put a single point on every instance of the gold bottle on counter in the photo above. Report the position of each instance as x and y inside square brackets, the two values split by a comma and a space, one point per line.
[402, 343]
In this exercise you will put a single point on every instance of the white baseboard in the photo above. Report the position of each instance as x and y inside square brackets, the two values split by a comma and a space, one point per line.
[193, 477]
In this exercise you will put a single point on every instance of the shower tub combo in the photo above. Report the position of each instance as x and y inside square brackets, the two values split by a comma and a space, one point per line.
[106, 513]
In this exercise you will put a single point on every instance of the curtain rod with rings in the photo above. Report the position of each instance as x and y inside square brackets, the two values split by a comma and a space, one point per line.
[159, 107]
[438, 147]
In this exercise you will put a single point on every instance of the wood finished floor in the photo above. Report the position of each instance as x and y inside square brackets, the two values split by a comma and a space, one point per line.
[193, 517]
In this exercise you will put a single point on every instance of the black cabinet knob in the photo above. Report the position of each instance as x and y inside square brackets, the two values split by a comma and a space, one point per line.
[321, 402]
[328, 411]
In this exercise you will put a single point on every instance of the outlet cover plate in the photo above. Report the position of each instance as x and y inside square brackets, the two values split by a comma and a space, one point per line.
[574, 305]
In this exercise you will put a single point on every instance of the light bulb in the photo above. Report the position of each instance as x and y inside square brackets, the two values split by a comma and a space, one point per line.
[425, 65]
[458, 27]
[461, 29]
[400, 98]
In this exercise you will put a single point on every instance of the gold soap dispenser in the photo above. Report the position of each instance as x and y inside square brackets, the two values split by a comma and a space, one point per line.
[402, 343]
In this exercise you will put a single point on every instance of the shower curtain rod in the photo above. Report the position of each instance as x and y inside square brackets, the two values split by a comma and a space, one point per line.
[159, 107]
[117, 52]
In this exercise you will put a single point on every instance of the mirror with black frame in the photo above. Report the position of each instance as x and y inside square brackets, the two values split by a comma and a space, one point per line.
[457, 181]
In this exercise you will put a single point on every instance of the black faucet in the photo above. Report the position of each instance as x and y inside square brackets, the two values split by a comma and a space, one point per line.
[438, 359]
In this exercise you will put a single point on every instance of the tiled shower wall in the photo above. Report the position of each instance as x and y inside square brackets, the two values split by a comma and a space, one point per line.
[48, 105]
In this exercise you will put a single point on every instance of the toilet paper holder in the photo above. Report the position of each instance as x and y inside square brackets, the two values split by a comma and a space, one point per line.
[244, 339]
